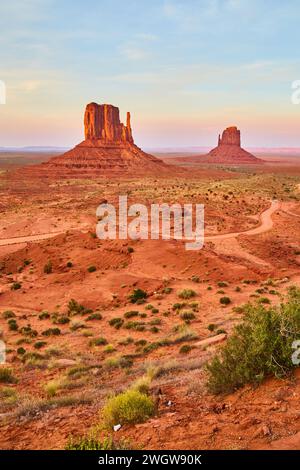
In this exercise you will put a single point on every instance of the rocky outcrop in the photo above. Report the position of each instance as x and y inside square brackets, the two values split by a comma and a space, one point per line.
[102, 121]
[231, 136]
[229, 150]
[108, 147]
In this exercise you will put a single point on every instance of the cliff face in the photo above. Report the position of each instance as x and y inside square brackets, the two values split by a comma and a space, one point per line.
[229, 150]
[102, 121]
[231, 136]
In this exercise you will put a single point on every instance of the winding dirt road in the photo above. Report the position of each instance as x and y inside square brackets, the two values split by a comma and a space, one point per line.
[266, 223]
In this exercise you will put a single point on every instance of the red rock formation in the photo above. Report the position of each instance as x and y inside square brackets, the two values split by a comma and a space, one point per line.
[108, 146]
[229, 150]
[102, 121]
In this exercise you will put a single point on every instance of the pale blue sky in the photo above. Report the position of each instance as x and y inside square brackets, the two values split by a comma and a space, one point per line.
[184, 68]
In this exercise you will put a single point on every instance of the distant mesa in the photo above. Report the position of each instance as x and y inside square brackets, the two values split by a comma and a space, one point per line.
[229, 149]
[108, 146]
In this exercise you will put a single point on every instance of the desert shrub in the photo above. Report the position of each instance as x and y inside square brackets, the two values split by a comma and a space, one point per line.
[167, 290]
[185, 349]
[62, 320]
[76, 308]
[8, 314]
[178, 305]
[186, 293]
[211, 327]
[109, 349]
[12, 325]
[48, 268]
[126, 361]
[98, 342]
[39, 344]
[155, 321]
[222, 284]
[130, 406]
[28, 331]
[16, 286]
[77, 325]
[131, 313]
[94, 316]
[155, 310]
[225, 300]
[141, 342]
[126, 341]
[186, 316]
[92, 442]
[44, 315]
[116, 322]
[6, 375]
[51, 332]
[130, 249]
[260, 346]
[148, 307]
[264, 300]
[135, 325]
[21, 351]
[154, 329]
[92, 269]
[69, 264]
[136, 295]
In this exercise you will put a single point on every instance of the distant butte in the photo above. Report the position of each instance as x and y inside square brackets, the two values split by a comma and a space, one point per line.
[108, 147]
[229, 150]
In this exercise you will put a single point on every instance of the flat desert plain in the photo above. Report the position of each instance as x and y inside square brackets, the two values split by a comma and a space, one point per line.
[74, 337]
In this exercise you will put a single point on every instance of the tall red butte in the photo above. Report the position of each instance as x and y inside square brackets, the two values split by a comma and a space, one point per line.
[108, 147]
[229, 150]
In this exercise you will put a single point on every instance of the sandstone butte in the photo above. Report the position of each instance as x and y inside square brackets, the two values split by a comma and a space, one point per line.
[108, 147]
[229, 150]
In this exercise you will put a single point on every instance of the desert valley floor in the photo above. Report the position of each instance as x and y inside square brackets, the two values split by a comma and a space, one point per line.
[67, 358]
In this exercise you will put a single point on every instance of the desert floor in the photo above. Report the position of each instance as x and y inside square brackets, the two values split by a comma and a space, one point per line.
[252, 249]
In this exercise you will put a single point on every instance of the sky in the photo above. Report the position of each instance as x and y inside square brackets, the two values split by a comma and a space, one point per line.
[185, 69]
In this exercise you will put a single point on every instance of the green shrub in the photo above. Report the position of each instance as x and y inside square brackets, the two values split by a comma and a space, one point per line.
[6, 375]
[51, 332]
[93, 442]
[69, 264]
[12, 325]
[186, 294]
[222, 284]
[260, 346]
[130, 249]
[16, 286]
[48, 268]
[63, 320]
[225, 300]
[8, 314]
[28, 331]
[186, 316]
[39, 344]
[94, 316]
[131, 313]
[92, 269]
[21, 351]
[185, 349]
[44, 316]
[167, 290]
[76, 308]
[98, 342]
[116, 322]
[136, 295]
[211, 327]
[131, 406]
